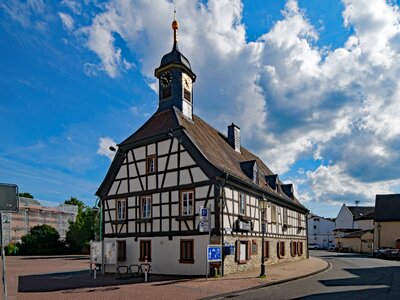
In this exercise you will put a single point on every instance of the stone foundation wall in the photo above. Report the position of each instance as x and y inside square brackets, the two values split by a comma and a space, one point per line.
[254, 261]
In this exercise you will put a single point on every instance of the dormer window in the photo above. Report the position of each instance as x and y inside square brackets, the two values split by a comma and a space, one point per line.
[151, 164]
[255, 174]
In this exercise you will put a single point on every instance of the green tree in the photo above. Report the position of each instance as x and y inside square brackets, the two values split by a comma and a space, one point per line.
[42, 239]
[80, 232]
[25, 195]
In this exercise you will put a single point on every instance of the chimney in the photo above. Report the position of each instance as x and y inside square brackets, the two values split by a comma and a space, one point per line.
[234, 137]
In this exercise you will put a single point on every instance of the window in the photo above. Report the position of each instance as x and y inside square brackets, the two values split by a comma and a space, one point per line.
[151, 164]
[285, 216]
[299, 219]
[121, 250]
[266, 249]
[242, 251]
[254, 247]
[121, 209]
[145, 207]
[255, 174]
[293, 248]
[187, 201]
[186, 95]
[187, 255]
[273, 213]
[315, 226]
[145, 250]
[166, 92]
[280, 249]
[300, 248]
[242, 204]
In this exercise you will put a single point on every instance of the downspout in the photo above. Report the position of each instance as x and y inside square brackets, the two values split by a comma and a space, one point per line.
[222, 186]
[308, 254]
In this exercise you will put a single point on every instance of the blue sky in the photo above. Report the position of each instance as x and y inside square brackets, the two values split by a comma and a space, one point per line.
[312, 84]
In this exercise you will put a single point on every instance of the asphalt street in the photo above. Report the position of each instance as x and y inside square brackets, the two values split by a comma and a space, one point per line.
[351, 276]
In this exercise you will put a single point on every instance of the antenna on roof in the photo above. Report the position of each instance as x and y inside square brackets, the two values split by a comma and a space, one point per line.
[357, 202]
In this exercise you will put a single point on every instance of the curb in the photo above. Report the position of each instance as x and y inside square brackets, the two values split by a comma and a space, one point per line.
[238, 292]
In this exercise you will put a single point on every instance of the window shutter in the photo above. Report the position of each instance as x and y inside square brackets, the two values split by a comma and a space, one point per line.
[237, 252]
[278, 252]
[248, 250]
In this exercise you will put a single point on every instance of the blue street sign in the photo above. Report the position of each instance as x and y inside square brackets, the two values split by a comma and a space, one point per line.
[204, 212]
[214, 253]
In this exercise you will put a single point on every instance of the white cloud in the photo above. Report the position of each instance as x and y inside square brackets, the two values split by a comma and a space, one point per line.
[291, 98]
[74, 6]
[104, 147]
[24, 12]
[67, 20]
[331, 183]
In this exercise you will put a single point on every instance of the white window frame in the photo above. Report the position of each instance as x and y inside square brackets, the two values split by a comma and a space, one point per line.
[121, 209]
[151, 164]
[242, 204]
[189, 208]
[145, 207]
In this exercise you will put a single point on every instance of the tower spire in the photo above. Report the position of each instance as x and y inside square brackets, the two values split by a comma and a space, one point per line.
[175, 27]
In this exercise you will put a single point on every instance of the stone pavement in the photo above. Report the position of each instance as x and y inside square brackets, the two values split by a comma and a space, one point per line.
[160, 287]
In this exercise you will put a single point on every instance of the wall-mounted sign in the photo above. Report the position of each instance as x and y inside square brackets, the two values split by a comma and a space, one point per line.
[95, 253]
[242, 226]
[214, 253]
[110, 252]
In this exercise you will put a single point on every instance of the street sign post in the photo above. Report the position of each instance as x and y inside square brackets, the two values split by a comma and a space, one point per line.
[9, 201]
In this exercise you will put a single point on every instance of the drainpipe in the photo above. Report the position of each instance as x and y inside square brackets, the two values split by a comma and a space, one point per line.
[222, 186]
[308, 254]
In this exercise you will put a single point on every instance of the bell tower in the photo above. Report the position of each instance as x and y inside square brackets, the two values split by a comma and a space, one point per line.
[175, 79]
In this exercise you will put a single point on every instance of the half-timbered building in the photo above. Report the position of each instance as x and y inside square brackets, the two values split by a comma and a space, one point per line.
[176, 163]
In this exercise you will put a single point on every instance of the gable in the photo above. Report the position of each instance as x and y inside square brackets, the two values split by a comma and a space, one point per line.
[344, 218]
[174, 166]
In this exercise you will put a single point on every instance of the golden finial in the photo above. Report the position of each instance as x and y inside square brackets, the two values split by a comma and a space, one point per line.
[175, 27]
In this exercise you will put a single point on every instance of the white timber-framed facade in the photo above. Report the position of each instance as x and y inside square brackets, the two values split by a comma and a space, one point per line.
[176, 163]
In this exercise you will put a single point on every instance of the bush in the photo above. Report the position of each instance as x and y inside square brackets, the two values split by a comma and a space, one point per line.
[42, 239]
[12, 249]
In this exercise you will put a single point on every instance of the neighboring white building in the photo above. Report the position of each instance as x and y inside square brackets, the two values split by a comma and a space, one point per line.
[320, 230]
[350, 220]
[355, 217]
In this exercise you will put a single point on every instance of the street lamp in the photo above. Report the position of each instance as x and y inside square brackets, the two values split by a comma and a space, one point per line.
[263, 207]
[99, 208]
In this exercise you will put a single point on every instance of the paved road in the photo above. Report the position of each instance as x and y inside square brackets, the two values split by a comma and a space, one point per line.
[352, 276]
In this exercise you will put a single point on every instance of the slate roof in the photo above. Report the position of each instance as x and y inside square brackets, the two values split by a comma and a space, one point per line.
[357, 234]
[175, 56]
[370, 216]
[214, 147]
[360, 211]
[387, 207]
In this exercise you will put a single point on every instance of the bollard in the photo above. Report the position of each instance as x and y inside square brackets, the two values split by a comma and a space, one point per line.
[146, 267]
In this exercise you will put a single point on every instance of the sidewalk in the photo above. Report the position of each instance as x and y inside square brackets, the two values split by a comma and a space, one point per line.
[199, 288]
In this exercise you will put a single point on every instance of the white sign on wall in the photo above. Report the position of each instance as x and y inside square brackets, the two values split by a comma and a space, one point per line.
[110, 256]
[95, 253]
